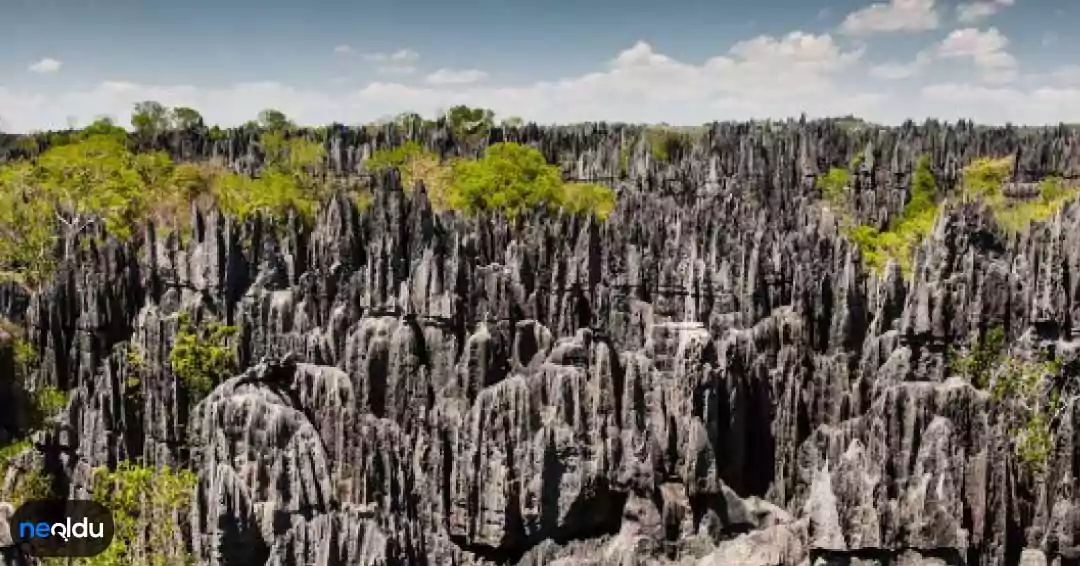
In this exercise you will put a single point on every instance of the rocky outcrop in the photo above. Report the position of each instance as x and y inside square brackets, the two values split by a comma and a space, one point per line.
[709, 377]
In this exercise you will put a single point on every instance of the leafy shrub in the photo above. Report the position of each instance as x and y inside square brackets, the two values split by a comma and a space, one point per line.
[509, 177]
[292, 155]
[666, 143]
[364, 200]
[587, 198]
[914, 223]
[977, 364]
[834, 186]
[149, 508]
[50, 400]
[1053, 195]
[985, 179]
[32, 483]
[201, 356]
[985, 176]
[417, 164]
[1026, 390]
[470, 125]
[274, 193]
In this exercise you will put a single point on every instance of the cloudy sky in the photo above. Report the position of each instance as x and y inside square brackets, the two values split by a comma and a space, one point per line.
[677, 61]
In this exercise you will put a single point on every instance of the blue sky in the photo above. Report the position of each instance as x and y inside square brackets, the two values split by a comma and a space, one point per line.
[679, 61]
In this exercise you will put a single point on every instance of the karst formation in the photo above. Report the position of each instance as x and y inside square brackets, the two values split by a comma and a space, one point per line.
[710, 376]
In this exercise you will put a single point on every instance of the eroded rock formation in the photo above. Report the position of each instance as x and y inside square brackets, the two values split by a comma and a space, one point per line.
[709, 377]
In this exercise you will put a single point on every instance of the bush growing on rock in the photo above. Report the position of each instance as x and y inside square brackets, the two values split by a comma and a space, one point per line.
[985, 178]
[510, 178]
[96, 177]
[834, 186]
[149, 508]
[914, 223]
[667, 143]
[201, 356]
[1026, 389]
[30, 481]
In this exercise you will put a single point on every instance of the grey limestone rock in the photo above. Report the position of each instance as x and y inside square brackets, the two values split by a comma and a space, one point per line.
[711, 376]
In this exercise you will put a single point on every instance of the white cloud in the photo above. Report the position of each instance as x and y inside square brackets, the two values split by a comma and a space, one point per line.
[1066, 75]
[400, 62]
[894, 70]
[45, 66]
[452, 77]
[893, 16]
[401, 56]
[344, 50]
[987, 50]
[761, 77]
[970, 12]
[998, 105]
[774, 77]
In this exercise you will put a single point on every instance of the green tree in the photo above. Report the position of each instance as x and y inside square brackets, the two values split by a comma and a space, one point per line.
[96, 177]
[201, 356]
[908, 229]
[509, 177]
[834, 186]
[470, 124]
[150, 120]
[410, 121]
[274, 120]
[150, 507]
[104, 126]
[27, 226]
[187, 119]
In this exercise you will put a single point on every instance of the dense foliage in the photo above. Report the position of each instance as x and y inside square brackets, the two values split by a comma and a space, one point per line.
[1027, 390]
[150, 509]
[834, 186]
[907, 230]
[95, 176]
[666, 143]
[509, 178]
[985, 179]
[201, 356]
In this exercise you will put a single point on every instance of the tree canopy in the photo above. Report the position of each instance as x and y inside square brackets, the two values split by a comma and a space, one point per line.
[274, 120]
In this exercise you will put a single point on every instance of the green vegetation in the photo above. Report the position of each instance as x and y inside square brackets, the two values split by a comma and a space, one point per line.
[470, 125]
[914, 223]
[94, 175]
[985, 179]
[834, 186]
[274, 120]
[976, 366]
[201, 356]
[510, 178]
[31, 483]
[150, 509]
[71, 183]
[666, 143]
[1026, 390]
[150, 120]
[417, 164]
[186, 119]
[48, 401]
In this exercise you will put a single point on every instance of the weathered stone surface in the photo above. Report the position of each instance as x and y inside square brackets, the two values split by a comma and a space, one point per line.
[709, 377]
